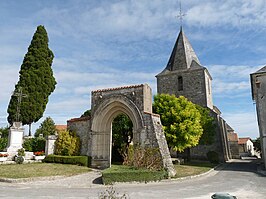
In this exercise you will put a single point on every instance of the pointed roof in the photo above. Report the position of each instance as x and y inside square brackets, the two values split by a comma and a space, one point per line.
[182, 55]
[262, 70]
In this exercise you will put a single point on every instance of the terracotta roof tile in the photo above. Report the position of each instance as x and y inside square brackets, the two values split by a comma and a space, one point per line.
[61, 127]
[243, 140]
[79, 119]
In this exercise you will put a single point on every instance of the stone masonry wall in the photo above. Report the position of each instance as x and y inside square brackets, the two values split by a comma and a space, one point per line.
[234, 148]
[135, 93]
[156, 138]
[219, 145]
[81, 126]
[194, 85]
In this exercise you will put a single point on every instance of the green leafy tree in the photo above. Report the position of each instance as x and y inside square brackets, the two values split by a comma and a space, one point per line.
[256, 144]
[34, 144]
[208, 125]
[3, 138]
[121, 136]
[67, 143]
[36, 81]
[46, 128]
[86, 113]
[4, 132]
[180, 120]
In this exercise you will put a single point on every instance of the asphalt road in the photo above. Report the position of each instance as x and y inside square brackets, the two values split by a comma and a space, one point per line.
[239, 178]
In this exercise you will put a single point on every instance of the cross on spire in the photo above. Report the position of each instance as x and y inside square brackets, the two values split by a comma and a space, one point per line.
[19, 95]
[181, 14]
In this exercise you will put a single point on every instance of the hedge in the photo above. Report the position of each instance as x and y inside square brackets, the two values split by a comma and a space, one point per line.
[130, 174]
[78, 160]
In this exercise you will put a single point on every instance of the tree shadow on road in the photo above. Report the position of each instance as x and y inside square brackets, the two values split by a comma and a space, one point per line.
[246, 165]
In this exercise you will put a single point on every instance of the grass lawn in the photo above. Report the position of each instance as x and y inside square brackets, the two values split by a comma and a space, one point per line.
[40, 170]
[192, 168]
[122, 173]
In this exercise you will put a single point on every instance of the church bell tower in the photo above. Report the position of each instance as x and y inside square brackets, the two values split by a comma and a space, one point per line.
[184, 75]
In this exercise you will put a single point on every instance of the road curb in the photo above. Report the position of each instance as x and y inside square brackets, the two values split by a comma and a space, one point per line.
[21, 180]
[221, 166]
[24, 180]
[194, 176]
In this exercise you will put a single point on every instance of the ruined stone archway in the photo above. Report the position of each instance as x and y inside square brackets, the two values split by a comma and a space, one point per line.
[101, 127]
[134, 101]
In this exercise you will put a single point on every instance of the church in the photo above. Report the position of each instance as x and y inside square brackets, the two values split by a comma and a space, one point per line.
[182, 76]
[185, 76]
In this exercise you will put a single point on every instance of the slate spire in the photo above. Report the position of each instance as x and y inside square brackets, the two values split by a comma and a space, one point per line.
[182, 54]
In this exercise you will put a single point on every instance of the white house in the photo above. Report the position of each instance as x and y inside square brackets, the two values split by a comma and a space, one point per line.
[246, 147]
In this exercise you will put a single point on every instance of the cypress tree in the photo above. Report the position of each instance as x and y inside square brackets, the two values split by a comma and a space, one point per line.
[36, 81]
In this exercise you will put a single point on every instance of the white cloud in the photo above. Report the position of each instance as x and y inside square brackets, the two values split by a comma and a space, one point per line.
[234, 13]
[232, 71]
[244, 123]
[231, 79]
[225, 87]
[9, 78]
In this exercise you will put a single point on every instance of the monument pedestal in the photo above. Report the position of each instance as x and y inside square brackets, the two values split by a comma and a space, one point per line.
[15, 139]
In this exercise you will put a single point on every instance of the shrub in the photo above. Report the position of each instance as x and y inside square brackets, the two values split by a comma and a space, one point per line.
[121, 173]
[21, 152]
[34, 144]
[46, 128]
[149, 158]
[67, 143]
[19, 159]
[77, 160]
[28, 144]
[3, 143]
[213, 157]
[39, 144]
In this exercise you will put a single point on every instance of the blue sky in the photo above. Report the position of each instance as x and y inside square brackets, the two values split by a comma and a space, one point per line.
[108, 43]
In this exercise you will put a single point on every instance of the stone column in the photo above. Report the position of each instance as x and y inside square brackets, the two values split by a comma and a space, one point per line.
[50, 144]
[15, 139]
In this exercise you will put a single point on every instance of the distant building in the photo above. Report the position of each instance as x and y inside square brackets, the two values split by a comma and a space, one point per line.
[246, 147]
[258, 88]
[233, 142]
[60, 127]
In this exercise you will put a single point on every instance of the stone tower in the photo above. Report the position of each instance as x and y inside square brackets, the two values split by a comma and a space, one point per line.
[183, 75]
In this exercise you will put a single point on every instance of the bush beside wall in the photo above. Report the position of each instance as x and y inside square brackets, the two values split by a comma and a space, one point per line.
[78, 160]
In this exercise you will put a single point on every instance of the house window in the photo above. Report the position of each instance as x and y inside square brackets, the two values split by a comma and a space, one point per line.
[180, 83]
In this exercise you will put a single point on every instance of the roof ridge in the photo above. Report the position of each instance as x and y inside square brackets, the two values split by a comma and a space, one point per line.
[79, 119]
[117, 88]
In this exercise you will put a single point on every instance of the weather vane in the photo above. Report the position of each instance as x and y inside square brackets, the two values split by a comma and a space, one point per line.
[181, 14]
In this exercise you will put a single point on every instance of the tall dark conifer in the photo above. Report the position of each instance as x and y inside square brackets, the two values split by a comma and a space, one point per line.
[36, 81]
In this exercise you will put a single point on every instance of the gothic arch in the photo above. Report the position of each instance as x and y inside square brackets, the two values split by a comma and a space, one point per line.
[136, 102]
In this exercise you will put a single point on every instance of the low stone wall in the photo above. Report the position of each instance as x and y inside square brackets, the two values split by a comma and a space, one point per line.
[234, 148]
[81, 126]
